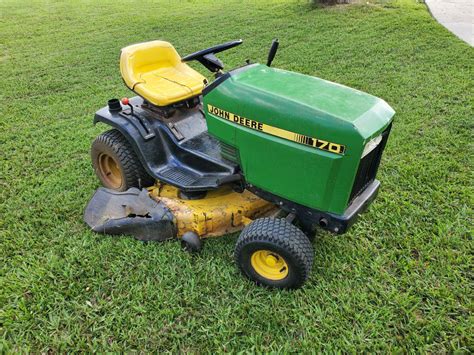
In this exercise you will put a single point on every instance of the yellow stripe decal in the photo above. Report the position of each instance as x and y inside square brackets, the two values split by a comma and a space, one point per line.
[277, 132]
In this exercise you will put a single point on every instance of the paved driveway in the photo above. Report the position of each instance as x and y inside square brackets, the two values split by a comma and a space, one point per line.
[456, 15]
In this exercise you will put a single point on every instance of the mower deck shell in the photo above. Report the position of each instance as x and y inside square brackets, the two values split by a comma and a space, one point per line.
[220, 212]
[160, 212]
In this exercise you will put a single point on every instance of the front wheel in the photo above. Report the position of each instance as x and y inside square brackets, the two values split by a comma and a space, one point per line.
[273, 252]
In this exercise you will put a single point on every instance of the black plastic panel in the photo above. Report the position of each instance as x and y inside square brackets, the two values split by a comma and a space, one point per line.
[189, 159]
[311, 217]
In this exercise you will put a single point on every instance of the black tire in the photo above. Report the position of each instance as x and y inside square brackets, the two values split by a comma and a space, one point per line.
[278, 239]
[116, 164]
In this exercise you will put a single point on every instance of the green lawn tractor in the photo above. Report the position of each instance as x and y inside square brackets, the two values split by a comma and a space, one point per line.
[264, 151]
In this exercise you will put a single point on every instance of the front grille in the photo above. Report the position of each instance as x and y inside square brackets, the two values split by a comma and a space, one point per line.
[368, 167]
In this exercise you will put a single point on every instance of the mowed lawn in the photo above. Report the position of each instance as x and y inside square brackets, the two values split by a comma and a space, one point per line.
[399, 280]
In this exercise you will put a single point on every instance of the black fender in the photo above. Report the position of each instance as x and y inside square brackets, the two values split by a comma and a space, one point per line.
[191, 163]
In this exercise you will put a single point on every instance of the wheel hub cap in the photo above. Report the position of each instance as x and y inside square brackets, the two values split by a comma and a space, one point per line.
[269, 264]
[110, 171]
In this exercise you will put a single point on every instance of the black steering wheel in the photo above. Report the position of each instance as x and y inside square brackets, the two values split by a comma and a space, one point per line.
[207, 56]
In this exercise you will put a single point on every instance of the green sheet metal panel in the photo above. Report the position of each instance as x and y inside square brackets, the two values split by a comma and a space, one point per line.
[302, 105]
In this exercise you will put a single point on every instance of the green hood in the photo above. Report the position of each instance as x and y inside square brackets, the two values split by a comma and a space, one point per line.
[324, 99]
[296, 136]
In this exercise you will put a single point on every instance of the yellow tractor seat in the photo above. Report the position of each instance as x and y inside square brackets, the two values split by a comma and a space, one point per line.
[154, 71]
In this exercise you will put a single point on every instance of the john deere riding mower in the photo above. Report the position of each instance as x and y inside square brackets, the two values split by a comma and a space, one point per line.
[273, 153]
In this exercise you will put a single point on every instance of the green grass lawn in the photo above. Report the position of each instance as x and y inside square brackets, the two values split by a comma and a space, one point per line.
[399, 280]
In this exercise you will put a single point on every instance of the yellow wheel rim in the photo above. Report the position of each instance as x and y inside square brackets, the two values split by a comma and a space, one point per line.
[110, 171]
[269, 264]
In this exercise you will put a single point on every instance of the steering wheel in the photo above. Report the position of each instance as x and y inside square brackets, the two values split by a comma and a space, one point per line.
[207, 56]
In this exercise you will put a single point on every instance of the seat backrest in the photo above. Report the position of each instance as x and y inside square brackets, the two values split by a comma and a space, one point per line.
[135, 59]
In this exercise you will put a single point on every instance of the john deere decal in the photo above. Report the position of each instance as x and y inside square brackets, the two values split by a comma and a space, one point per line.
[277, 132]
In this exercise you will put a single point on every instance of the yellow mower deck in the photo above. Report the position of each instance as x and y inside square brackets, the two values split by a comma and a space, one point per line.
[221, 212]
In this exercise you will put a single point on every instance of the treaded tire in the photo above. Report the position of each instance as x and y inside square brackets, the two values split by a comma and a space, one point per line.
[129, 170]
[284, 239]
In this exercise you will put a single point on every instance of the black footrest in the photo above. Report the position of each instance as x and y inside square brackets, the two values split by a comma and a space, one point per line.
[179, 176]
[188, 179]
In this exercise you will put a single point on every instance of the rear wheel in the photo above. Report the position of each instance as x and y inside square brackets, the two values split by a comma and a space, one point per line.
[273, 252]
[116, 164]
